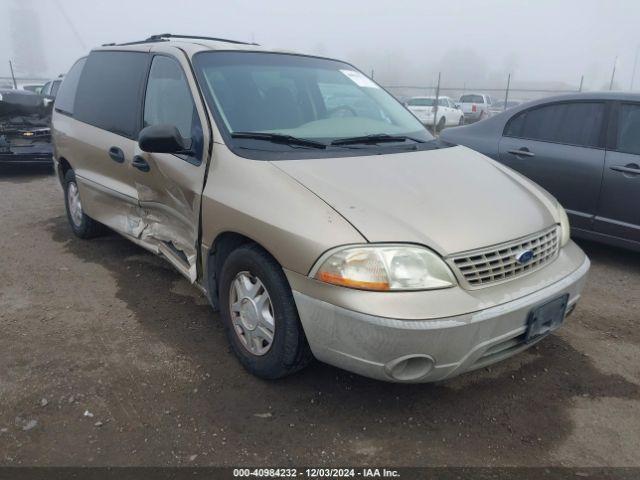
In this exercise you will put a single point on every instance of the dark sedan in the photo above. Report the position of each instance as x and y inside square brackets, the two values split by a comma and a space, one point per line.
[25, 133]
[584, 148]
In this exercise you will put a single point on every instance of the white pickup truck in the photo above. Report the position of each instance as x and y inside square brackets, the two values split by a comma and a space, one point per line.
[475, 106]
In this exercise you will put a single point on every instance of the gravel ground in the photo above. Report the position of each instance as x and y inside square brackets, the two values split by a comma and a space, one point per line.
[110, 357]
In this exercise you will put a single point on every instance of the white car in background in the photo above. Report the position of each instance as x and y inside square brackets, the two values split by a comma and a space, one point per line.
[476, 106]
[448, 113]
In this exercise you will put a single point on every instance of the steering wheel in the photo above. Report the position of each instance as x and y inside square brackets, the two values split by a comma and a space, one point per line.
[345, 108]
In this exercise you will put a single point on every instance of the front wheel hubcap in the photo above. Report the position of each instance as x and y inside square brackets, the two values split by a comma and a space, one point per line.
[252, 313]
[75, 207]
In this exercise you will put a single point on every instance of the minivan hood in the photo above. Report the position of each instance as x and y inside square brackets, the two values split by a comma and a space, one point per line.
[450, 199]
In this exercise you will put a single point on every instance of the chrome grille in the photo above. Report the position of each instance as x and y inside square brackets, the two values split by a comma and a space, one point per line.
[496, 264]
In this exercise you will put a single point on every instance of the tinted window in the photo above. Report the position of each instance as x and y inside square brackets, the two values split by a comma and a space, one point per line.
[471, 99]
[67, 91]
[46, 89]
[569, 123]
[581, 124]
[629, 129]
[109, 91]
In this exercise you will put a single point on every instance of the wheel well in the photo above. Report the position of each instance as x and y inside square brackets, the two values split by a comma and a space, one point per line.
[63, 168]
[222, 246]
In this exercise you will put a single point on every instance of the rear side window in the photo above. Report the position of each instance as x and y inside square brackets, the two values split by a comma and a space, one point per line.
[67, 92]
[629, 129]
[109, 91]
[578, 123]
[582, 124]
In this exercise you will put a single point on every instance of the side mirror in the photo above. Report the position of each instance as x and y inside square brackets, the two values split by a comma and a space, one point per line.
[163, 139]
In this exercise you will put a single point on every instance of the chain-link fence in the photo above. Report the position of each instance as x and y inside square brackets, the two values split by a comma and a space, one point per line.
[404, 92]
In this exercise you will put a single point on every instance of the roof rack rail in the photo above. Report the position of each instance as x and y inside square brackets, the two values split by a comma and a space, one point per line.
[164, 36]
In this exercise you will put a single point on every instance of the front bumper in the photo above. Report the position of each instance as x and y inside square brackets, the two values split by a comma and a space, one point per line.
[26, 159]
[472, 116]
[38, 153]
[426, 350]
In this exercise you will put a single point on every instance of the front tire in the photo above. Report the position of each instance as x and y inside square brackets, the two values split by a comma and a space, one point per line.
[441, 124]
[461, 121]
[260, 316]
[82, 225]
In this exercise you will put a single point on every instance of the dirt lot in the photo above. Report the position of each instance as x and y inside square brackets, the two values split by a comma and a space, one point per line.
[105, 328]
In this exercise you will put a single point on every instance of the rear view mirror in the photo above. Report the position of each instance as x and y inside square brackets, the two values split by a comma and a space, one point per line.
[163, 139]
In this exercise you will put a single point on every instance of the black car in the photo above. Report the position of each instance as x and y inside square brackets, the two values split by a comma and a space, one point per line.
[25, 133]
[584, 148]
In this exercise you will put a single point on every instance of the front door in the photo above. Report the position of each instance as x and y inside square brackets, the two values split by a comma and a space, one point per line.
[619, 205]
[169, 187]
[560, 147]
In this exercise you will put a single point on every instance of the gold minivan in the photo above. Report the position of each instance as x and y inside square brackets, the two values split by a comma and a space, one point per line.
[318, 215]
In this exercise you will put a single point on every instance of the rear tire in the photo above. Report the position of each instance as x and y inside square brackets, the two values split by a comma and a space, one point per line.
[82, 225]
[265, 333]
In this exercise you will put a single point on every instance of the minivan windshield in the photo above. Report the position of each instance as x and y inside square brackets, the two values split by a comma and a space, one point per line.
[288, 96]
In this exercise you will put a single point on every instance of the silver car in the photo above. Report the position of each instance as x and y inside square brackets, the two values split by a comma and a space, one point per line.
[318, 215]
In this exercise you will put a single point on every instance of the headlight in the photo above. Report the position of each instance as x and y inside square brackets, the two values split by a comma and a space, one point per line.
[384, 268]
[565, 228]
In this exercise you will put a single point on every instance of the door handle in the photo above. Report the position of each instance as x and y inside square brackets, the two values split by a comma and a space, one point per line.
[631, 168]
[523, 152]
[140, 163]
[116, 154]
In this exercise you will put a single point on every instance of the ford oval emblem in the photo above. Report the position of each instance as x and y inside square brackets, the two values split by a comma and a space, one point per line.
[524, 256]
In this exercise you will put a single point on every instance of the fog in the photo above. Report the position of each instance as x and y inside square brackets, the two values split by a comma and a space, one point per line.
[544, 42]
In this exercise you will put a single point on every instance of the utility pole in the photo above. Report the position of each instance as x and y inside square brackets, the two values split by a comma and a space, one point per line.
[15, 84]
[506, 95]
[613, 73]
[635, 64]
[435, 108]
[581, 82]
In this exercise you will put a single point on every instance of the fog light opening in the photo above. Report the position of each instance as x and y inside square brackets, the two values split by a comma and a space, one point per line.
[410, 367]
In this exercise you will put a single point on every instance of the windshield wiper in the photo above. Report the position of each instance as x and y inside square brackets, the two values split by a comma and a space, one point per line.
[376, 138]
[279, 138]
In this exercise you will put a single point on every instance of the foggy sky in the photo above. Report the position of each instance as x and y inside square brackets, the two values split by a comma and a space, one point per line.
[403, 42]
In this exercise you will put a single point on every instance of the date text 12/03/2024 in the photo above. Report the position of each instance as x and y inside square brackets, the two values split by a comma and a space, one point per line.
[316, 473]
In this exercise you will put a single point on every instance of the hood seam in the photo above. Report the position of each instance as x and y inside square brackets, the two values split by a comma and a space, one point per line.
[322, 200]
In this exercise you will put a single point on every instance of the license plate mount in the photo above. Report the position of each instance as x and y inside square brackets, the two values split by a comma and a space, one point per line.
[546, 318]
